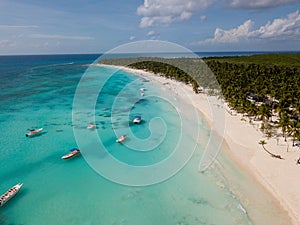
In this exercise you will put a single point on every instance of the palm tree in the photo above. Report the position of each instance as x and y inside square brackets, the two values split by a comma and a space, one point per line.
[265, 112]
[284, 124]
[294, 130]
[263, 143]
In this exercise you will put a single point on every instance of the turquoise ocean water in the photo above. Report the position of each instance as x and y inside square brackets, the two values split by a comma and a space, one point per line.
[38, 91]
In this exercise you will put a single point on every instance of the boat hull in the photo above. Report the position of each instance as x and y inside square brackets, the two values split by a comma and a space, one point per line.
[36, 132]
[137, 120]
[10, 194]
[91, 127]
[121, 139]
[71, 154]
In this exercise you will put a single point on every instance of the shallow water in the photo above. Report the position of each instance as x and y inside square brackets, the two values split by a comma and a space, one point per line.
[40, 93]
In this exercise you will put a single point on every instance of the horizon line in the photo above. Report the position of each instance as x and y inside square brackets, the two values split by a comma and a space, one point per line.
[250, 51]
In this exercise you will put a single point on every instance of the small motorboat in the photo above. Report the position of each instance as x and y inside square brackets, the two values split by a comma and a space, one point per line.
[91, 126]
[142, 94]
[137, 119]
[10, 193]
[73, 152]
[142, 89]
[34, 132]
[121, 139]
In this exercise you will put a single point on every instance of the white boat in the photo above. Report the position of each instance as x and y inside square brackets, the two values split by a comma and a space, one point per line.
[142, 94]
[121, 139]
[34, 132]
[137, 119]
[73, 152]
[91, 126]
[10, 193]
[142, 89]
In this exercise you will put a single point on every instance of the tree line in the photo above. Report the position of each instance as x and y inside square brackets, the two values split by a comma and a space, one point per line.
[269, 92]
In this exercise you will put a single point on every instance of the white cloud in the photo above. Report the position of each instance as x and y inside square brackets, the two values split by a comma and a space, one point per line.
[151, 33]
[202, 18]
[232, 35]
[131, 38]
[287, 28]
[282, 28]
[58, 36]
[3, 43]
[7, 43]
[58, 44]
[165, 12]
[17, 26]
[157, 12]
[258, 4]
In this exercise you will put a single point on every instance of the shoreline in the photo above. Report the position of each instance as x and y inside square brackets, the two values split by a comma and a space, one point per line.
[241, 146]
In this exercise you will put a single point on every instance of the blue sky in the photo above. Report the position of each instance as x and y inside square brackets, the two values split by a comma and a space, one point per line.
[90, 26]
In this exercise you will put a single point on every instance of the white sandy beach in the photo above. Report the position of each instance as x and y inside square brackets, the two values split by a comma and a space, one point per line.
[279, 177]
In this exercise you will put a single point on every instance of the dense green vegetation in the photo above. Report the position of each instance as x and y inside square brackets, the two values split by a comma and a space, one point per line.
[262, 90]
[288, 59]
[187, 70]
[264, 87]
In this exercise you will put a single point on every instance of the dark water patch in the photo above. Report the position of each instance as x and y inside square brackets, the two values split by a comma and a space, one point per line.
[109, 143]
[90, 114]
[55, 124]
[4, 220]
[125, 124]
[135, 193]
[79, 113]
[30, 167]
[51, 107]
[68, 106]
[130, 96]
[106, 115]
[192, 220]
[115, 124]
[65, 91]
[37, 135]
[145, 80]
[69, 124]
[142, 101]
[35, 108]
[120, 112]
[120, 118]
[100, 101]
[198, 201]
